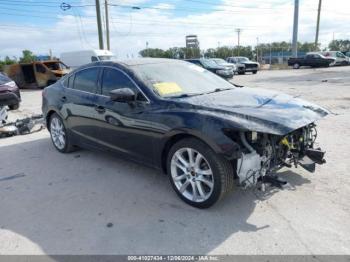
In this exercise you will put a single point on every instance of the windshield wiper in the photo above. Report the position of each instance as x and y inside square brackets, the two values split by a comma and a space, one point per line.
[186, 95]
[219, 90]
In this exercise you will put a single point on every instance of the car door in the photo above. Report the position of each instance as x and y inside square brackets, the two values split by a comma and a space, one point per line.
[309, 60]
[79, 104]
[319, 61]
[125, 127]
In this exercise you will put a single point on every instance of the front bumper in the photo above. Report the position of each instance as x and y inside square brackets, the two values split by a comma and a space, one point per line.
[226, 74]
[251, 69]
[9, 98]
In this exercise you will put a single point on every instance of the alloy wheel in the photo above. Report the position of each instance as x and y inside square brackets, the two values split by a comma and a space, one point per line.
[58, 134]
[192, 175]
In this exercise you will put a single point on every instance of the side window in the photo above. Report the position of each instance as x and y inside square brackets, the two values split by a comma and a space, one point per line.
[114, 79]
[86, 80]
[94, 59]
[68, 81]
[40, 68]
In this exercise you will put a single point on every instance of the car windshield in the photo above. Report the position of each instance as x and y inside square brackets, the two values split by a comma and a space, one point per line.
[208, 63]
[242, 59]
[179, 79]
[219, 61]
[55, 65]
[4, 79]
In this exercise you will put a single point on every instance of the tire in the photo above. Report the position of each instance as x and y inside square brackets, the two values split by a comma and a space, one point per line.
[14, 107]
[199, 185]
[296, 66]
[59, 136]
[254, 72]
[241, 73]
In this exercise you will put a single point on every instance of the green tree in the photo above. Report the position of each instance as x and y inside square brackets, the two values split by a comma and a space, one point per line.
[7, 61]
[339, 45]
[152, 52]
[27, 57]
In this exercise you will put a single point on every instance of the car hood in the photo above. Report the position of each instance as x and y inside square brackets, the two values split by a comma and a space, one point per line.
[249, 63]
[258, 109]
[227, 65]
[219, 67]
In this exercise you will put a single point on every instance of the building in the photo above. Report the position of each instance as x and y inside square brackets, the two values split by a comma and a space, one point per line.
[192, 41]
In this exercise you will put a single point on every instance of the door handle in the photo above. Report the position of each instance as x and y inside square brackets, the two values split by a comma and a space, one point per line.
[100, 109]
[63, 99]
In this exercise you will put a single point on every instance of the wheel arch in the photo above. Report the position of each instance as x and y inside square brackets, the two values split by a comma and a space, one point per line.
[177, 136]
[49, 113]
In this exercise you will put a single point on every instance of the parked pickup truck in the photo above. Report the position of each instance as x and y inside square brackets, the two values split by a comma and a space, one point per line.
[311, 59]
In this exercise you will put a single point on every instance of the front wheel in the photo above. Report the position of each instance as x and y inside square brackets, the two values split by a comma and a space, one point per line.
[199, 176]
[254, 72]
[14, 107]
[59, 136]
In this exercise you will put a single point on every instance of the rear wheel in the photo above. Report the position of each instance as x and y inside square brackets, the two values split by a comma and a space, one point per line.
[199, 176]
[59, 136]
[296, 66]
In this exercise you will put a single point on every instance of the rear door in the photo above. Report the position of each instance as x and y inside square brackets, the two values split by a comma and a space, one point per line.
[79, 104]
[125, 127]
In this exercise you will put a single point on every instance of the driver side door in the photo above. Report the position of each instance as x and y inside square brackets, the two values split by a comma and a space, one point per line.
[124, 127]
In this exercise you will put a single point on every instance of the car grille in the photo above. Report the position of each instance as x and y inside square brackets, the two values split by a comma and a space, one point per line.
[250, 66]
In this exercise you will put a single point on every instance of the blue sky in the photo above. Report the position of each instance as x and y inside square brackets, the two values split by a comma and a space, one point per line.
[40, 25]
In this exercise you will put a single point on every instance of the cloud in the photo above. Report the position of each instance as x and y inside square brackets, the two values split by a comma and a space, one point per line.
[166, 25]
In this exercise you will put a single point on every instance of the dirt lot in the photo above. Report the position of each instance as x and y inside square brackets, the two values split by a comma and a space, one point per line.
[93, 203]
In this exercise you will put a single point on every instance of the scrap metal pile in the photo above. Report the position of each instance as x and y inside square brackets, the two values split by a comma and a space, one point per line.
[23, 126]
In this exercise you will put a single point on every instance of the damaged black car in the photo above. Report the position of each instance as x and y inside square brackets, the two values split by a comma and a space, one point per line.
[205, 133]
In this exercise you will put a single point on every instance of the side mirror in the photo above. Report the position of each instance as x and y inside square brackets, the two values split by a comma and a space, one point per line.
[122, 95]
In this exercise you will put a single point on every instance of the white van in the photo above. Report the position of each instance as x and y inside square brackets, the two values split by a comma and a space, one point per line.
[340, 58]
[75, 59]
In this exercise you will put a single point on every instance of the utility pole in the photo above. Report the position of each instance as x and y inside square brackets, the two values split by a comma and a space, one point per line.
[318, 23]
[107, 26]
[295, 29]
[238, 30]
[99, 25]
[257, 49]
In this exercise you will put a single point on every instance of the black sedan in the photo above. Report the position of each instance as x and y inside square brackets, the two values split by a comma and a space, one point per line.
[221, 70]
[198, 128]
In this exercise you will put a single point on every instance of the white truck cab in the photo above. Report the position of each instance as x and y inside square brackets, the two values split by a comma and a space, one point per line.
[340, 58]
[75, 59]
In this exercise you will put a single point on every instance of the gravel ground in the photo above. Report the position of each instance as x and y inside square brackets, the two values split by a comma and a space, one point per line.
[93, 203]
